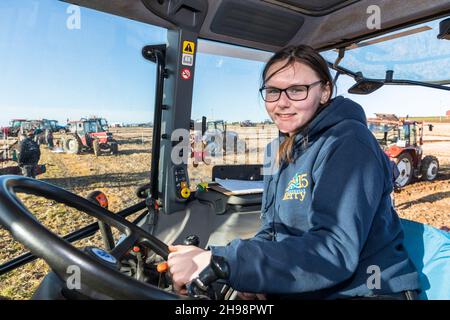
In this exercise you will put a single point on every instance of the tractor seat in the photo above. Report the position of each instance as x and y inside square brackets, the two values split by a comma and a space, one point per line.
[429, 250]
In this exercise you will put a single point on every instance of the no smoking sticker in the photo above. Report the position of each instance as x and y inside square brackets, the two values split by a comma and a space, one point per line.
[186, 74]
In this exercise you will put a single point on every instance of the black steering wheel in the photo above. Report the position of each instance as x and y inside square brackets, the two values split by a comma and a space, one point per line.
[97, 279]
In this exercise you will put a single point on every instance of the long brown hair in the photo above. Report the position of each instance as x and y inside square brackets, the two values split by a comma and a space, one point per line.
[310, 57]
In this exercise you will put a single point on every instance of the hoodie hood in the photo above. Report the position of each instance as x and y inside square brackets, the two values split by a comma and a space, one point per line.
[338, 110]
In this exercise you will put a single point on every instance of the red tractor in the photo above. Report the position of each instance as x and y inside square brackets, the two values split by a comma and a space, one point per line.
[89, 134]
[13, 129]
[401, 140]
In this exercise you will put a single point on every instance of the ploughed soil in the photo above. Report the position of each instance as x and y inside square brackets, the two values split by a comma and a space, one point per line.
[119, 175]
[429, 202]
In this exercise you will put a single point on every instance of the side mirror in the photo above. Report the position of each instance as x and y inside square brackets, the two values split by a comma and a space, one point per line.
[444, 29]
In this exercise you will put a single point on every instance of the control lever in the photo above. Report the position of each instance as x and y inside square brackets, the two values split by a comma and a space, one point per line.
[143, 191]
[192, 240]
[200, 287]
[100, 199]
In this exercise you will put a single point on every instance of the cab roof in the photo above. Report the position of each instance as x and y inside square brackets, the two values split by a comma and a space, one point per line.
[272, 24]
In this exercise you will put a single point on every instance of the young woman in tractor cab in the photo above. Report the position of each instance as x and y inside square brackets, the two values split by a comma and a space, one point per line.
[329, 229]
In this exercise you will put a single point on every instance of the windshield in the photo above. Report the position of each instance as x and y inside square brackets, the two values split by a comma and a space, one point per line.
[226, 93]
[414, 53]
[16, 123]
[91, 126]
[211, 126]
[386, 134]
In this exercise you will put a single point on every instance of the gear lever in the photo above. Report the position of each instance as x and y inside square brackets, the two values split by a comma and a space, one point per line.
[217, 269]
[192, 240]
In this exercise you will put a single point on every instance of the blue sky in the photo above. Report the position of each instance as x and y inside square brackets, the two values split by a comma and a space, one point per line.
[50, 71]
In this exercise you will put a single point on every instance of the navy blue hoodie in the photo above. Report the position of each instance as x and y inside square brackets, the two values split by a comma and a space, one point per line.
[329, 229]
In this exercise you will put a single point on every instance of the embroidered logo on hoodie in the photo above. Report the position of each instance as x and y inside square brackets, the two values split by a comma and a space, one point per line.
[296, 189]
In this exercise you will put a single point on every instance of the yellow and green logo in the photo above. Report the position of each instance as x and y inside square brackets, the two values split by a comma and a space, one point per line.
[296, 189]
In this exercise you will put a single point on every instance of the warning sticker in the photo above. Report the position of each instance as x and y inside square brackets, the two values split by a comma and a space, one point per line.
[186, 74]
[188, 60]
[188, 47]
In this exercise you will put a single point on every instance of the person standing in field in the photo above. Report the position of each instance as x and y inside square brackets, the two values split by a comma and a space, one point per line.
[29, 155]
[49, 138]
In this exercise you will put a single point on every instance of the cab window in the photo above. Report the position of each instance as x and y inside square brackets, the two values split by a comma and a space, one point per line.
[226, 93]
[64, 62]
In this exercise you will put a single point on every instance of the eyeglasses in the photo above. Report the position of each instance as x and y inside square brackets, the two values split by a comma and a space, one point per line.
[294, 93]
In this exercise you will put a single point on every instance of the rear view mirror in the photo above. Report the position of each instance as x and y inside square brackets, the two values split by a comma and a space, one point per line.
[365, 86]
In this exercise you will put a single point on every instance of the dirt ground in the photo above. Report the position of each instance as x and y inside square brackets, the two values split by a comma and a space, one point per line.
[429, 202]
[118, 176]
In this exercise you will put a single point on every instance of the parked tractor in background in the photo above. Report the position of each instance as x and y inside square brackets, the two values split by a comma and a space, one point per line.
[13, 129]
[402, 141]
[89, 135]
[38, 126]
[41, 127]
[54, 126]
[18, 126]
[217, 131]
[8, 153]
[212, 138]
[247, 123]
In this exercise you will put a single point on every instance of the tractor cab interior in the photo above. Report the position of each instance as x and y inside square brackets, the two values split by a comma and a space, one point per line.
[176, 206]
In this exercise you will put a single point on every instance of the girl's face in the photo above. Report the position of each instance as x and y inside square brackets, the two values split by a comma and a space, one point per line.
[287, 114]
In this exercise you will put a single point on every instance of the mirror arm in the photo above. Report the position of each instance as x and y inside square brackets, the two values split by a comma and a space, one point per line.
[340, 57]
